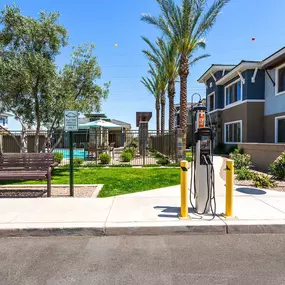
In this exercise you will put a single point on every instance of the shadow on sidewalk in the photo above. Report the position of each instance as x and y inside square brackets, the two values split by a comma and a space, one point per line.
[172, 212]
[250, 191]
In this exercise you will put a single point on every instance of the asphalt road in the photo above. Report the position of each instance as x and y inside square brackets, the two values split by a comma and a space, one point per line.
[208, 259]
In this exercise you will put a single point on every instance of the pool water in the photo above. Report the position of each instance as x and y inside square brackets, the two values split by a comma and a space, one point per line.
[77, 153]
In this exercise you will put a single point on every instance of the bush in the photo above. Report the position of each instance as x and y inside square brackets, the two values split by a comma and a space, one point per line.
[277, 168]
[77, 161]
[245, 174]
[189, 158]
[132, 151]
[105, 158]
[240, 160]
[58, 157]
[163, 161]
[126, 156]
[263, 181]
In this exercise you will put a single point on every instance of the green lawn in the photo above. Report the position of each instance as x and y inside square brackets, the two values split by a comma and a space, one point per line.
[116, 181]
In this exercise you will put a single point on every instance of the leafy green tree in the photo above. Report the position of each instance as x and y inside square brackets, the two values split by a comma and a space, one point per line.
[186, 26]
[40, 92]
[75, 88]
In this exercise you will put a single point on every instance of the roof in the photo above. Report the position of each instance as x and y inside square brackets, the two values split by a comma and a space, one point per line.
[213, 69]
[242, 66]
[121, 123]
[274, 59]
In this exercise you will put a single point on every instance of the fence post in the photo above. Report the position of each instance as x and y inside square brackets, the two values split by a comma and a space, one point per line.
[178, 145]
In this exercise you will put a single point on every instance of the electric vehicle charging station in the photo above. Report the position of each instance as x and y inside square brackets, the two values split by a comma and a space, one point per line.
[202, 170]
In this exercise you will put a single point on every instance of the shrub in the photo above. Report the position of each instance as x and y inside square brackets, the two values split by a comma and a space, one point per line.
[121, 165]
[189, 158]
[163, 161]
[126, 156]
[58, 157]
[277, 168]
[240, 160]
[244, 174]
[105, 158]
[131, 150]
[77, 161]
[263, 181]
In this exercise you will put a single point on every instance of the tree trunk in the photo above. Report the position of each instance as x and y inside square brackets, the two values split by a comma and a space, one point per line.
[162, 112]
[171, 95]
[38, 120]
[157, 107]
[183, 74]
[24, 140]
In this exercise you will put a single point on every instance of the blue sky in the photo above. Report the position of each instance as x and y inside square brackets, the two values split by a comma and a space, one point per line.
[110, 22]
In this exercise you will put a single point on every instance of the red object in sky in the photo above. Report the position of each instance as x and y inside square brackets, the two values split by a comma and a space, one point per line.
[253, 39]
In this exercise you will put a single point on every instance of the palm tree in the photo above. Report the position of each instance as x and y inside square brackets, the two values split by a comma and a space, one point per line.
[151, 85]
[161, 83]
[185, 26]
[166, 54]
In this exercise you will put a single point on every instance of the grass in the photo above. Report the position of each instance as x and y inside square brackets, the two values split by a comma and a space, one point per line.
[117, 181]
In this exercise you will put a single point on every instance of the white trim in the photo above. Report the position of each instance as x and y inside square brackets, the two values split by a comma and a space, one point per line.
[241, 77]
[238, 68]
[224, 71]
[272, 57]
[225, 93]
[276, 127]
[212, 74]
[225, 129]
[208, 105]
[277, 80]
[254, 75]
[238, 103]
[213, 69]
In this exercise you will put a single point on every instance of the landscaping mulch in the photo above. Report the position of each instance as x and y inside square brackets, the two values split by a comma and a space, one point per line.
[40, 192]
[280, 184]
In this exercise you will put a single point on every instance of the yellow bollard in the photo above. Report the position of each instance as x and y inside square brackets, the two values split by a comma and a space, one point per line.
[229, 187]
[184, 189]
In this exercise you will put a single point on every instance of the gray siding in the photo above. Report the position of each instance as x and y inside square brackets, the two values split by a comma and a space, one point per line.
[273, 104]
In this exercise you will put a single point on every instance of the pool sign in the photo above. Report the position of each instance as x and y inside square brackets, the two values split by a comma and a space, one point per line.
[70, 121]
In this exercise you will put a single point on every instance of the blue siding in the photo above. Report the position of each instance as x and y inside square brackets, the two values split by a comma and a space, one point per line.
[254, 91]
[219, 90]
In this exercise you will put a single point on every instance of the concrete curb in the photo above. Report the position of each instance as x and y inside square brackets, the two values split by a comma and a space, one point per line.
[136, 229]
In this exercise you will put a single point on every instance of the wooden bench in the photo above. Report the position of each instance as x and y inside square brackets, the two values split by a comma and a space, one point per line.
[27, 166]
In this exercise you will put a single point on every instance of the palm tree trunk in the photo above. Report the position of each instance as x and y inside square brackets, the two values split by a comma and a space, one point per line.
[162, 112]
[171, 95]
[157, 107]
[183, 74]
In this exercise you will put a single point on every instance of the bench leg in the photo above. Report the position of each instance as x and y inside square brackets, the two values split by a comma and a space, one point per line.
[49, 183]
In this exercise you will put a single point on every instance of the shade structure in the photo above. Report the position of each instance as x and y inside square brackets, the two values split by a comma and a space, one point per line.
[99, 124]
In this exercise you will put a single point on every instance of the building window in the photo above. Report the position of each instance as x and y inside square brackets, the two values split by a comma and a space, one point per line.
[233, 132]
[233, 93]
[280, 80]
[280, 129]
[211, 102]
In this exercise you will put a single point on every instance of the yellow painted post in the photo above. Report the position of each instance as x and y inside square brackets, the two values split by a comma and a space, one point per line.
[229, 187]
[184, 189]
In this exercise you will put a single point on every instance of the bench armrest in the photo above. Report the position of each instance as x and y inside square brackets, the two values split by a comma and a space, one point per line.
[54, 164]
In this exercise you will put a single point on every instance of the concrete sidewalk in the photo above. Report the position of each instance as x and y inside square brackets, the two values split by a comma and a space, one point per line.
[149, 212]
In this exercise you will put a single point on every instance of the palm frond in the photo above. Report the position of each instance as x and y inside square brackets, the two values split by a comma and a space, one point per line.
[209, 18]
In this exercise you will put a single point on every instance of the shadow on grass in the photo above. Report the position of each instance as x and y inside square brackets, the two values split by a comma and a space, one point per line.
[251, 191]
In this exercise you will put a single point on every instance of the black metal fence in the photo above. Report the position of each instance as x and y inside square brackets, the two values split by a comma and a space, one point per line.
[96, 146]
[165, 144]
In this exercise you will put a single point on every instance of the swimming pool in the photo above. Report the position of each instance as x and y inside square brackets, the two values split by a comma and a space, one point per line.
[77, 153]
